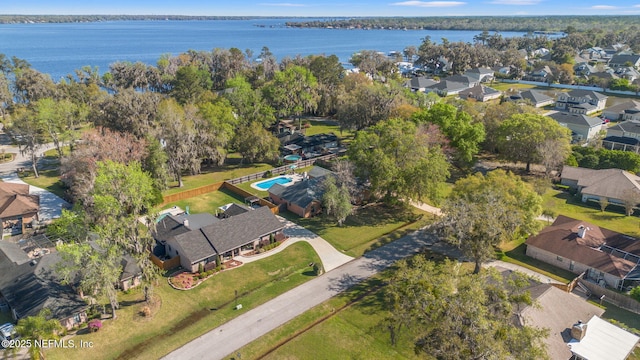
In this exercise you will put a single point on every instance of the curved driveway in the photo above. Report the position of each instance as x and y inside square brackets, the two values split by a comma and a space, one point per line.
[242, 330]
[330, 257]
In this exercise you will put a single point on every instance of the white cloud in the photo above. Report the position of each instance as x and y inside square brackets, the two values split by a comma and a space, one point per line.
[515, 2]
[283, 4]
[430, 3]
[604, 7]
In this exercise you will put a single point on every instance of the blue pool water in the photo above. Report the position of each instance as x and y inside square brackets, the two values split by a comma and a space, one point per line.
[265, 185]
[293, 157]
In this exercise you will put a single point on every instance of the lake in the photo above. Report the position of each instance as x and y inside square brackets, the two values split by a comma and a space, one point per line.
[59, 49]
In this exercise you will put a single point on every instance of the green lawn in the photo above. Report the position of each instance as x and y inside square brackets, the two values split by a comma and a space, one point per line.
[348, 326]
[503, 86]
[562, 203]
[225, 172]
[207, 203]
[366, 229]
[322, 127]
[184, 315]
[48, 180]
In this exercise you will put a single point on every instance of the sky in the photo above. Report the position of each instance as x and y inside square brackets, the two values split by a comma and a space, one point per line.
[322, 8]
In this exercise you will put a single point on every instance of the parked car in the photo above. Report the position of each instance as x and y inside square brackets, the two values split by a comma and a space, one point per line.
[8, 332]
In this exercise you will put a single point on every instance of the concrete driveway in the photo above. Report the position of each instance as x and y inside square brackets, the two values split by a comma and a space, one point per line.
[330, 257]
[51, 205]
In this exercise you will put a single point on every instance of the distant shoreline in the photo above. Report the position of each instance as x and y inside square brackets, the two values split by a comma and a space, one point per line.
[538, 24]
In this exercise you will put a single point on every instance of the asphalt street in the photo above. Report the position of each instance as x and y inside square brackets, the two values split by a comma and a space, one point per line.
[242, 330]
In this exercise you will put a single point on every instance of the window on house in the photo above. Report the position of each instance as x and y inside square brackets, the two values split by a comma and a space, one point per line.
[77, 318]
[559, 258]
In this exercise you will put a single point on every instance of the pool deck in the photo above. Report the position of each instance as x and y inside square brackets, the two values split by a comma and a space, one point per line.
[294, 179]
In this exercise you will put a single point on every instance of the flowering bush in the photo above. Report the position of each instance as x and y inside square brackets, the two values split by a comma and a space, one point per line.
[95, 325]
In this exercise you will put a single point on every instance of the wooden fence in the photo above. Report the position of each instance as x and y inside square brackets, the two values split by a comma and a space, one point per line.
[616, 298]
[255, 176]
[281, 169]
[166, 264]
[191, 193]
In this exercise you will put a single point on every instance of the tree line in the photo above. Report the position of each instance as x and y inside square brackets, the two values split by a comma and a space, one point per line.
[489, 23]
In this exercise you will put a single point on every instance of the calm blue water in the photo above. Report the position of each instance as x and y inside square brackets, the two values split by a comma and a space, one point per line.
[265, 185]
[59, 49]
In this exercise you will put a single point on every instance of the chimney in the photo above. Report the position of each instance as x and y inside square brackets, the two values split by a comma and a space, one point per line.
[582, 231]
[579, 330]
[185, 223]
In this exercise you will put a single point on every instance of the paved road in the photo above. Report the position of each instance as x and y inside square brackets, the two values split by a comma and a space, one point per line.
[249, 326]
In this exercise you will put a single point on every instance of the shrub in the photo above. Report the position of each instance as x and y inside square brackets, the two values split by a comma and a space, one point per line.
[267, 174]
[635, 293]
[96, 324]
[146, 311]
[200, 268]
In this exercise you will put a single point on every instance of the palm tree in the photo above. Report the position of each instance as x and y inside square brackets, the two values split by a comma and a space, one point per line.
[38, 328]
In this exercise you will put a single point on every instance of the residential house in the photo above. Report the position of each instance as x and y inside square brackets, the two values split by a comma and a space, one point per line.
[606, 257]
[569, 337]
[207, 240]
[628, 110]
[30, 283]
[627, 72]
[18, 208]
[592, 185]
[620, 60]
[533, 97]
[557, 311]
[315, 145]
[628, 129]
[467, 80]
[581, 101]
[419, 83]
[584, 69]
[543, 74]
[480, 93]
[583, 127]
[621, 143]
[447, 87]
[595, 53]
[600, 339]
[482, 75]
[303, 198]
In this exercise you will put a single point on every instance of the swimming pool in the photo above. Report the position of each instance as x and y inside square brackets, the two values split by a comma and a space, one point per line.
[264, 185]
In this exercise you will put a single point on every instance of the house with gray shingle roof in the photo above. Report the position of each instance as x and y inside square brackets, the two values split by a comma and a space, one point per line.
[536, 98]
[447, 87]
[621, 60]
[630, 129]
[303, 198]
[221, 239]
[481, 74]
[583, 127]
[480, 93]
[628, 110]
[581, 101]
[31, 283]
[419, 83]
[556, 310]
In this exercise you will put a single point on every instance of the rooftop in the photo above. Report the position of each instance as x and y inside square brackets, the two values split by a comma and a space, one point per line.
[604, 341]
